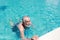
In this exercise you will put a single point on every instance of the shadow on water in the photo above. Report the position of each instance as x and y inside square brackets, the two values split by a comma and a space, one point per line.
[2, 8]
[16, 30]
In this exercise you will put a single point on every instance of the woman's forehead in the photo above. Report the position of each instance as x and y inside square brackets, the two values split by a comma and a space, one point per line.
[26, 19]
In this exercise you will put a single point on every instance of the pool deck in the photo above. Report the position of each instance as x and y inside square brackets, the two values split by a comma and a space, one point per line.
[53, 35]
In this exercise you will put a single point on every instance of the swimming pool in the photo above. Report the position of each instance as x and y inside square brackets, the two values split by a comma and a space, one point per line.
[44, 14]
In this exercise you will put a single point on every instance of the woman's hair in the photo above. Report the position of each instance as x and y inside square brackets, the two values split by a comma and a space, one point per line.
[24, 18]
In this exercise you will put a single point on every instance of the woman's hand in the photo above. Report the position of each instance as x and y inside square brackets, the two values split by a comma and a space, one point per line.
[34, 37]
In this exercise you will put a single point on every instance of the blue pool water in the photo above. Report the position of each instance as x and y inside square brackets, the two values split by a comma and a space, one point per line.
[44, 14]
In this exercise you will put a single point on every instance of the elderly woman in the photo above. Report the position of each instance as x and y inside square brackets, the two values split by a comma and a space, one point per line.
[22, 26]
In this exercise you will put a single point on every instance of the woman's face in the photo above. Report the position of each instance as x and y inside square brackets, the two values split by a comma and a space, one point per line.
[27, 23]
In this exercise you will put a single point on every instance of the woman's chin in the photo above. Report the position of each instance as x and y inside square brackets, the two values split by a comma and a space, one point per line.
[28, 25]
